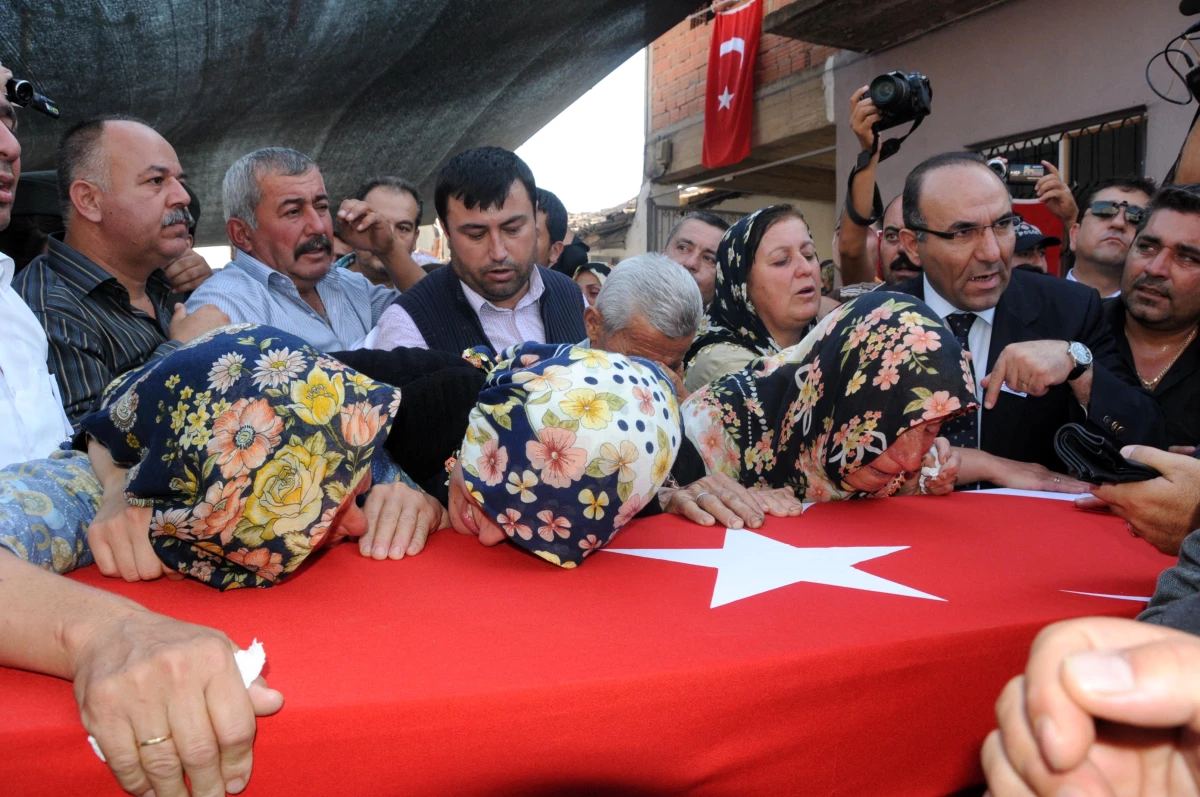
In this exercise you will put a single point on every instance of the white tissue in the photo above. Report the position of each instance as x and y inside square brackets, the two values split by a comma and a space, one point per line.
[930, 473]
[249, 663]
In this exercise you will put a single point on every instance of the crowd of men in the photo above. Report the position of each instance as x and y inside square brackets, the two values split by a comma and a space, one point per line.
[1112, 344]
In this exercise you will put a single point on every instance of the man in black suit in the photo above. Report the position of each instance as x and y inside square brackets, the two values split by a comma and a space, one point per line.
[1043, 354]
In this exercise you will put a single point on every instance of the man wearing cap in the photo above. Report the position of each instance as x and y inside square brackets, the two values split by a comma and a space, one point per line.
[1029, 253]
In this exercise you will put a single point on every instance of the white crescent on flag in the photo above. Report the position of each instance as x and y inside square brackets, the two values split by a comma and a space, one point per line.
[735, 45]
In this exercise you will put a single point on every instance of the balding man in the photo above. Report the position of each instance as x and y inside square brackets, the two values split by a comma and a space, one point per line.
[101, 292]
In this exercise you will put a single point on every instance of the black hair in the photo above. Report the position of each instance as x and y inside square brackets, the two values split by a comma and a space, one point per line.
[79, 151]
[767, 219]
[711, 219]
[1125, 183]
[482, 176]
[913, 183]
[1179, 198]
[394, 183]
[556, 215]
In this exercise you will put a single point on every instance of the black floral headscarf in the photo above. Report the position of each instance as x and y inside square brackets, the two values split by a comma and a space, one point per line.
[732, 317]
[815, 413]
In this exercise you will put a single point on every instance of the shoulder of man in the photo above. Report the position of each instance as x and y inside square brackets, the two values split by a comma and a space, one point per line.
[558, 280]
[42, 289]
[913, 286]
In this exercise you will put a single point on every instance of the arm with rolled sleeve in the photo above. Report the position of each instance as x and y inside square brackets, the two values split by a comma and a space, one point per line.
[397, 328]
[1118, 405]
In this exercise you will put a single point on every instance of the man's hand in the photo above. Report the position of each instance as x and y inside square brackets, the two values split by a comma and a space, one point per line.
[363, 228]
[718, 499]
[1161, 511]
[188, 272]
[399, 520]
[1033, 367]
[186, 326]
[1106, 707]
[676, 377]
[143, 676]
[1056, 196]
[119, 537]
[863, 114]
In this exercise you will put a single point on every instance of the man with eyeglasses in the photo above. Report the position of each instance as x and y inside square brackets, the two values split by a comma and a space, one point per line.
[1042, 353]
[1101, 237]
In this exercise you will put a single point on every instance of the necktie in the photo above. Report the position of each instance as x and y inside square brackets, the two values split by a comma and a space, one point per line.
[962, 431]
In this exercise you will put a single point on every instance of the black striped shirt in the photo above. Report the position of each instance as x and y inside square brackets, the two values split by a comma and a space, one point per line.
[95, 334]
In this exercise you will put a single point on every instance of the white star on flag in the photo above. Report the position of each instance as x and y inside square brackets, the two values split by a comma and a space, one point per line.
[726, 98]
[750, 564]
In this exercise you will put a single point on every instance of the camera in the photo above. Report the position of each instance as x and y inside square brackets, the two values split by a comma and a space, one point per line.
[900, 97]
[1017, 173]
[21, 92]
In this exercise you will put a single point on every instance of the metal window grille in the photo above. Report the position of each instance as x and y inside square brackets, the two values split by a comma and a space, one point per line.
[662, 218]
[1086, 152]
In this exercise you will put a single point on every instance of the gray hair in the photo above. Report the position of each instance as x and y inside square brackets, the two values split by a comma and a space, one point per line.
[240, 191]
[656, 288]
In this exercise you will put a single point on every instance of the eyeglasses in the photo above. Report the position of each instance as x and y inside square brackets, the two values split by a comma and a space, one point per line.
[1002, 228]
[1107, 209]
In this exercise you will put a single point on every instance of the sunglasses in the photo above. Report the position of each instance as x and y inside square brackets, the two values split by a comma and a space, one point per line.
[1107, 209]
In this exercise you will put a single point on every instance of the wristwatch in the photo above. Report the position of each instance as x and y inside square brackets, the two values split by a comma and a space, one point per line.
[1082, 356]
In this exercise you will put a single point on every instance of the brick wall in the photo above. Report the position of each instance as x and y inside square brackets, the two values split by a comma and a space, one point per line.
[680, 59]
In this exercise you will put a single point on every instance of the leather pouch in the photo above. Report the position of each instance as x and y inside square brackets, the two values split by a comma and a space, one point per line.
[1095, 459]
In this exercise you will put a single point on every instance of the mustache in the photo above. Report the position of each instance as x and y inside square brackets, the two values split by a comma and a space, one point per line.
[1157, 284]
[178, 216]
[902, 261]
[318, 243]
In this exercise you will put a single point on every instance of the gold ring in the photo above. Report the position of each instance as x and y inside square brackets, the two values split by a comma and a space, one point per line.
[155, 740]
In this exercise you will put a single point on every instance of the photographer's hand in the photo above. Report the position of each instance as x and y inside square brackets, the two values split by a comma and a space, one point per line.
[1056, 196]
[852, 243]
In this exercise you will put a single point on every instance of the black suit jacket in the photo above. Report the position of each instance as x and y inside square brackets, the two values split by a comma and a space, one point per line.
[1038, 307]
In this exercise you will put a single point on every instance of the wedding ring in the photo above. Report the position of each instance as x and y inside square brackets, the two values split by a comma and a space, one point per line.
[155, 740]
[697, 497]
[1057, 480]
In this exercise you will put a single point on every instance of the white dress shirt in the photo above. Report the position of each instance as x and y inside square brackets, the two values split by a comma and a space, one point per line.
[502, 326]
[32, 421]
[979, 337]
[1071, 278]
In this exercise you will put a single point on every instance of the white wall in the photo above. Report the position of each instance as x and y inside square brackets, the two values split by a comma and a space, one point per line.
[1022, 66]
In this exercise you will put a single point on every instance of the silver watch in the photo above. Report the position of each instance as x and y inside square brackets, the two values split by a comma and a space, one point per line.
[1082, 356]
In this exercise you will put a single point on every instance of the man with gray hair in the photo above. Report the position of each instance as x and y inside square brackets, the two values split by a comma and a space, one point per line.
[650, 306]
[277, 218]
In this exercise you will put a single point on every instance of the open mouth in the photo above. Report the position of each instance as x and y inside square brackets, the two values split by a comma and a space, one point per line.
[985, 280]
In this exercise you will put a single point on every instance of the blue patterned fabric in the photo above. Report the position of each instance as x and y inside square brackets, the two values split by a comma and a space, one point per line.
[45, 508]
[567, 444]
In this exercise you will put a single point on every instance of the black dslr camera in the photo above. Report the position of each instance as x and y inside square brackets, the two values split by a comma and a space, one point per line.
[20, 92]
[900, 97]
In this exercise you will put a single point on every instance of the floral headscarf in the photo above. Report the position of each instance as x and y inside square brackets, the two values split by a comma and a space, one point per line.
[815, 413]
[732, 317]
[245, 442]
[567, 444]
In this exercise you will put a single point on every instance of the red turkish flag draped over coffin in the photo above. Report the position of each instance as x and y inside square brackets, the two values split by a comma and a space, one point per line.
[729, 100]
[857, 650]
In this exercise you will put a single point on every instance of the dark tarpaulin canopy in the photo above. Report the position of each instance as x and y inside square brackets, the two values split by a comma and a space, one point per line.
[379, 86]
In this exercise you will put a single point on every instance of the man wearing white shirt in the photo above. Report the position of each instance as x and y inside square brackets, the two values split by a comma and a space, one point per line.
[32, 421]
[1101, 238]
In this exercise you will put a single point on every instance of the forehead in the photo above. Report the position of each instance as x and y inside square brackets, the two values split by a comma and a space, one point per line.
[137, 147]
[971, 193]
[393, 204]
[788, 231]
[276, 187]
[646, 341]
[517, 202]
[1173, 228]
[696, 231]
[1114, 194]
[587, 278]
[894, 215]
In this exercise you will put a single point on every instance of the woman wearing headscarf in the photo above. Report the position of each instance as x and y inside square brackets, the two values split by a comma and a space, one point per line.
[564, 447]
[591, 277]
[768, 292]
[851, 412]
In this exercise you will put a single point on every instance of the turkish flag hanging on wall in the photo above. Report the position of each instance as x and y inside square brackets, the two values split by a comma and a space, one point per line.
[729, 93]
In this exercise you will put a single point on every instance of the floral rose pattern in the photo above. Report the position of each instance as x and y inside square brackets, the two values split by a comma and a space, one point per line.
[813, 414]
[567, 444]
[245, 442]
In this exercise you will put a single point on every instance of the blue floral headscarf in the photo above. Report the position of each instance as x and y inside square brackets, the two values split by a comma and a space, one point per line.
[246, 442]
[567, 444]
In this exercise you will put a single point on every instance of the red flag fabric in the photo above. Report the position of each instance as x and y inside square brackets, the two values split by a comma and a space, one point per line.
[855, 650]
[729, 91]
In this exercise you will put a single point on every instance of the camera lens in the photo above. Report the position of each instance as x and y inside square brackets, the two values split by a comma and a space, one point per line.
[19, 91]
[887, 91]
